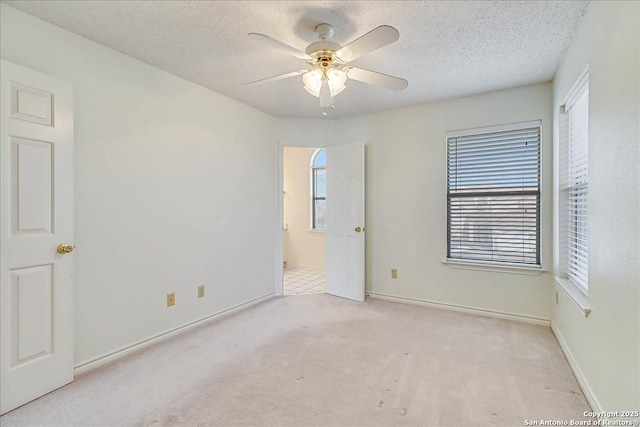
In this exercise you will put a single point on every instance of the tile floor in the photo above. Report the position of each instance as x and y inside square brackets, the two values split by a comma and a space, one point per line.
[300, 281]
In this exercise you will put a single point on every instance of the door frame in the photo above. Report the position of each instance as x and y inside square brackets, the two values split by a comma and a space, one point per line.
[279, 258]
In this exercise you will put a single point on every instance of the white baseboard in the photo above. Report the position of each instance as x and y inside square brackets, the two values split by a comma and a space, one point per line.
[577, 372]
[463, 309]
[110, 357]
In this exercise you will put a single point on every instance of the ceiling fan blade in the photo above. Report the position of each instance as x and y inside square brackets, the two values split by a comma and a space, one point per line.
[279, 45]
[374, 39]
[377, 79]
[276, 78]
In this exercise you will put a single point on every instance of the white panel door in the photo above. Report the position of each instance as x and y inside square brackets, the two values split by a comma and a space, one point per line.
[36, 183]
[345, 221]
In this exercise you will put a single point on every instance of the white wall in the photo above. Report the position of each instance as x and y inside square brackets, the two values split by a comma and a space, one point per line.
[406, 202]
[164, 200]
[302, 247]
[606, 345]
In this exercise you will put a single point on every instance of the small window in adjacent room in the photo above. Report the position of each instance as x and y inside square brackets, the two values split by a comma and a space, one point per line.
[318, 189]
[493, 195]
[574, 184]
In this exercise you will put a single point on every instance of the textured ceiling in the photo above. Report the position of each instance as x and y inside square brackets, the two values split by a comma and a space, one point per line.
[446, 49]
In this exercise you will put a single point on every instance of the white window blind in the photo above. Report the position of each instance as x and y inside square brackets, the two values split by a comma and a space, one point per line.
[493, 196]
[577, 110]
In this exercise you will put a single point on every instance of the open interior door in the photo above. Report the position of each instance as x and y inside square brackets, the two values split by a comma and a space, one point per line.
[345, 228]
[36, 235]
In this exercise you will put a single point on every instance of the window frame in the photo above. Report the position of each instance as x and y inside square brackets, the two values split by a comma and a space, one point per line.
[566, 187]
[313, 168]
[499, 266]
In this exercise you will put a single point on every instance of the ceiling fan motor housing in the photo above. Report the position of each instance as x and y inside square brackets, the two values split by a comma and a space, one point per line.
[322, 51]
[325, 45]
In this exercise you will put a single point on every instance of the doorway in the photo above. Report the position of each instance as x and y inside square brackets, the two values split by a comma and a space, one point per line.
[344, 218]
[304, 220]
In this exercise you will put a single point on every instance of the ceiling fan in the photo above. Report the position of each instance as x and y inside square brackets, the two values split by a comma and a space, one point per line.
[327, 62]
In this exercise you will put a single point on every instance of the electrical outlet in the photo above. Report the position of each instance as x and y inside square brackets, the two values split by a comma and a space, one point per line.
[394, 273]
[171, 299]
[201, 291]
[556, 297]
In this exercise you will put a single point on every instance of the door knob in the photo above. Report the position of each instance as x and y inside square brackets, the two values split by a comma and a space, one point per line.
[358, 229]
[65, 248]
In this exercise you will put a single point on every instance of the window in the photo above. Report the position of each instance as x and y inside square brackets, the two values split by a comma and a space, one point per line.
[493, 195]
[318, 189]
[574, 136]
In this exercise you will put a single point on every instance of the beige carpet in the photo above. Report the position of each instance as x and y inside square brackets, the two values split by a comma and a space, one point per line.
[322, 360]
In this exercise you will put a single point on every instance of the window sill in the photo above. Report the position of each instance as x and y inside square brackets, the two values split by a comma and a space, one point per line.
[316, 231]
[496, 268]
[579, 299]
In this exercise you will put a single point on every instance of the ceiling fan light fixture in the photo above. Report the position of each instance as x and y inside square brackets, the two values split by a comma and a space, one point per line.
[313, 82]
[337, 79]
